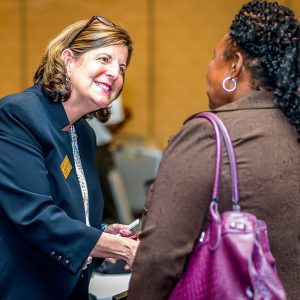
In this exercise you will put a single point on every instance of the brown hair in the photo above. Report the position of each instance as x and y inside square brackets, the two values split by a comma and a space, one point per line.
[51, 73]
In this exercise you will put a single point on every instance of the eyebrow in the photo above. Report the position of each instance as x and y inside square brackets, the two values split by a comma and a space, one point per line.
[110, 56]
[101, 53]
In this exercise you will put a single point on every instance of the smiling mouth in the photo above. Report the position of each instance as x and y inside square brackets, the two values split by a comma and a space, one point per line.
[104, 86]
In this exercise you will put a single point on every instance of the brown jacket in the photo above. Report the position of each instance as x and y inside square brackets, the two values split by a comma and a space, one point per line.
[268, 157]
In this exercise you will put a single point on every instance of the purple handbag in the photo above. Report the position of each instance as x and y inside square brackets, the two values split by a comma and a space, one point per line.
[232, 257]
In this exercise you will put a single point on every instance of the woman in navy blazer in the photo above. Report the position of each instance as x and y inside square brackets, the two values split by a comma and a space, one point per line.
[50, 200]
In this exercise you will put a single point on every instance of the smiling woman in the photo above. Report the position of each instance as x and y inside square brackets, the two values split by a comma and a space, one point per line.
[52, 232]
[96, 77]
[76, 41]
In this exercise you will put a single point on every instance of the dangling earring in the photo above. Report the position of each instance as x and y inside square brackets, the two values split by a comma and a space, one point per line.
[67, 76]
[225, 81]
[67, 79]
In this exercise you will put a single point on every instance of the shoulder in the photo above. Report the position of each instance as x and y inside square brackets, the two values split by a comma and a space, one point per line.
[24, 96]
[193, 130]
[23, 103]
[22, 114]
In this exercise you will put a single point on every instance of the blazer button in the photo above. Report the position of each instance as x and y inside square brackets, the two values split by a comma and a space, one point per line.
[52, 253]
[67, 261]
[59, 257]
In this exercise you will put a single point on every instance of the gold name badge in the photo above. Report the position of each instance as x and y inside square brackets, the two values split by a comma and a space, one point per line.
[66, 167]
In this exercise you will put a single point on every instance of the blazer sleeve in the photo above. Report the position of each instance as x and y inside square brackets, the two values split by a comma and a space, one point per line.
[176, 209]
[26, 197]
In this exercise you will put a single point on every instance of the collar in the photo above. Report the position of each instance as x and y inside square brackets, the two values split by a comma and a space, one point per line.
[254, 100]
[55, 109]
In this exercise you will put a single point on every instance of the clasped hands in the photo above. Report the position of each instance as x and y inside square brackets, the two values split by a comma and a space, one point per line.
[113, 247]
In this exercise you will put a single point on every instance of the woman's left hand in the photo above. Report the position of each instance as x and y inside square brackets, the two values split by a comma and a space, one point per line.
[119, 228]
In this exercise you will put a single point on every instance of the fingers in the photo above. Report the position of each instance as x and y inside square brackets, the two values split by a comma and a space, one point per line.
[123, 230]
[127, 267]
[111, 260]
[115, 228]
[126, 233]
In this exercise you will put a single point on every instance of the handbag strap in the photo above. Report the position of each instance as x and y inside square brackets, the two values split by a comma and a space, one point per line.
[220, 129]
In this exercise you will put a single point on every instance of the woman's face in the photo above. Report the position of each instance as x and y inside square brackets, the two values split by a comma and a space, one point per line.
[218, 69]
[97, 76]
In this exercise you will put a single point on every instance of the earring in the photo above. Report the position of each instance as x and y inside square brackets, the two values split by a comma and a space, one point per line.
[225, 81]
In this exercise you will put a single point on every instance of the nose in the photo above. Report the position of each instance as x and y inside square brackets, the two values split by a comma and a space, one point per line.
[113, 70]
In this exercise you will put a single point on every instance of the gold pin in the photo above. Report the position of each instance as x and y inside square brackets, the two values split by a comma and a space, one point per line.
[66, 167]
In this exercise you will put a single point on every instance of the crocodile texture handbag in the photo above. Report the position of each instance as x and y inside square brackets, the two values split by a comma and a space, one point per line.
[232, 258]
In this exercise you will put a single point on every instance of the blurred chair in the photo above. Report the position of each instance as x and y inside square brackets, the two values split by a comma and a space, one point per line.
[119, 193]
[137, 166]
[104, 287]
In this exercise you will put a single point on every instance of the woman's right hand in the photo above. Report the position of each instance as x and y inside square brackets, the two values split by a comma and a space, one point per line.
[112, 246]
[120, 229]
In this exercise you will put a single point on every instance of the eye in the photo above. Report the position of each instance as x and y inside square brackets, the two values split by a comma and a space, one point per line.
[122, 69]
[104, 59]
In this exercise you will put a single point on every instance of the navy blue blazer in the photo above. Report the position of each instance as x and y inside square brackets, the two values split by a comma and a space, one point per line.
[44, 240]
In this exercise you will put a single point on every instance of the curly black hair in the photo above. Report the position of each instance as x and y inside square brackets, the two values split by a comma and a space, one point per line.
[269, 35]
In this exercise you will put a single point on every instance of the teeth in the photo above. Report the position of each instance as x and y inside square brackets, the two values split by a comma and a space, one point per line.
[104, 86]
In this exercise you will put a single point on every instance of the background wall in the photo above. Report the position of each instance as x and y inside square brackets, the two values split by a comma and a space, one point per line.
[174, 41]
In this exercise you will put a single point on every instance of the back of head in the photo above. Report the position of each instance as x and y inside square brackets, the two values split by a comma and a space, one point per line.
[268, 36]
[80, 37]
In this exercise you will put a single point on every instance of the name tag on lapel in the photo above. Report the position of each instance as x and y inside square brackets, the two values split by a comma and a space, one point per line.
[66, 167]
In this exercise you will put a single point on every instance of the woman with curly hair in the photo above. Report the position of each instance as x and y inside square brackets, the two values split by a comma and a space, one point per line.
[50, 199]
[253, 84]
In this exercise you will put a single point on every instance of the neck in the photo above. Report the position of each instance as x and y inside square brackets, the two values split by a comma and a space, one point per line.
[243, 86]
[73, 111]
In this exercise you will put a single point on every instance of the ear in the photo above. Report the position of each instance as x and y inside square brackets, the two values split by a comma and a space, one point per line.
[237, 65]
[68, 58]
